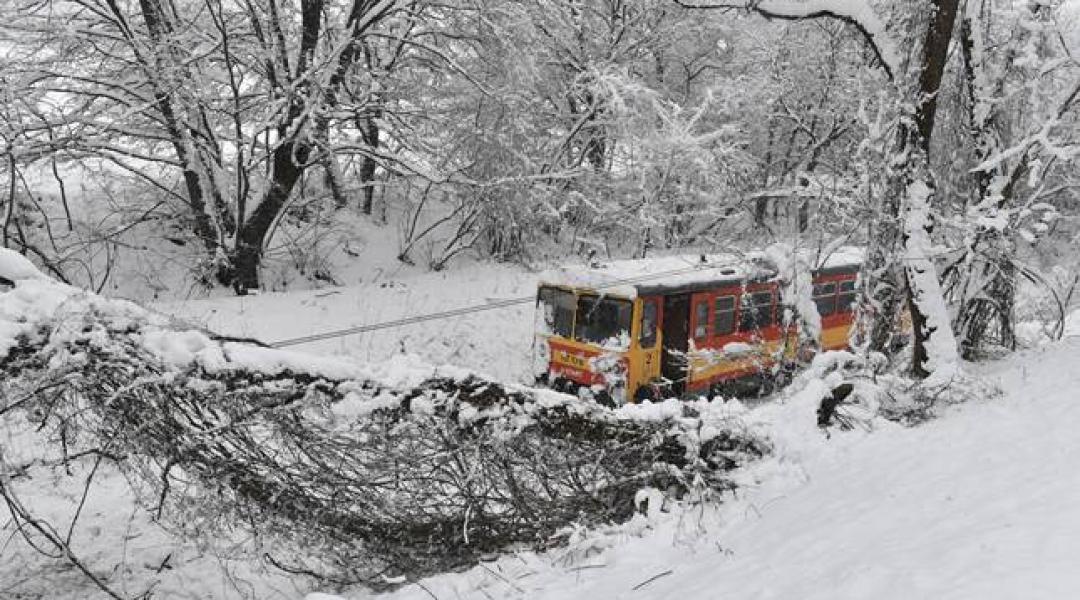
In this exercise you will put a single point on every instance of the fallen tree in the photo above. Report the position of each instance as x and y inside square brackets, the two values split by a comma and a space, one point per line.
[347, 472]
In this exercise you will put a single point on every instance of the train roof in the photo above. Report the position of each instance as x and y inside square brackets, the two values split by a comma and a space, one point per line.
[668, 274]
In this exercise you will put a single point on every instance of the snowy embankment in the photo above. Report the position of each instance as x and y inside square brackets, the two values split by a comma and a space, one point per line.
[978, 504]
[981, 503]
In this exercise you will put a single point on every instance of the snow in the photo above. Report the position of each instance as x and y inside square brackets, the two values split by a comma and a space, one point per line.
[623, 277]
[16, 267]
[182, 348]
[830, 258]
[795, 269]
[978, 504]
[1072, 324]
[737, 348]
[497, 342]
[943, 360]
[860, 11]
[37, 301]
[629, 277]
[30, 301]
[651, 411]
[116, 536]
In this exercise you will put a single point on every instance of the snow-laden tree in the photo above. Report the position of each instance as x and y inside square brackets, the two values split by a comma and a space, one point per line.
[595, 124]
[1013, 148]
[911, 42]
[236, 100]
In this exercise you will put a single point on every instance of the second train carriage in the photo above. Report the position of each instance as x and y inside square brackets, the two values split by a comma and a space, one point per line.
[671, 326]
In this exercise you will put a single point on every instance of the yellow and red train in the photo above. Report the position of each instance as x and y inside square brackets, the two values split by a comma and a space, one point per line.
[675, 326]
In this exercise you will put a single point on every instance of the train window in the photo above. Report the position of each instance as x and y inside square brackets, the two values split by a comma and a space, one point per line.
[757, 311]
[555, 309]
[724, 316]
[603, 321]
[701, 319]
[648, 323]
[847, 296]
[825, 298]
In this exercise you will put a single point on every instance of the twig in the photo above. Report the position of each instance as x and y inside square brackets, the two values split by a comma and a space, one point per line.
[82, 499]
[429, 592]
[652, 579]
[583, 567]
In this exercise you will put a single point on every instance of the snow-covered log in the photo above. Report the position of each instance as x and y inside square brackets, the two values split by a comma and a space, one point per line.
[347, 471]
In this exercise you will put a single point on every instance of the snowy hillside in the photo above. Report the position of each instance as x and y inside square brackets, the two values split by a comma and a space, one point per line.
[979, 504]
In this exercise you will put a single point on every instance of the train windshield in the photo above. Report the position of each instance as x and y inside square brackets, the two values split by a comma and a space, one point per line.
[555, 312]
[603, 321]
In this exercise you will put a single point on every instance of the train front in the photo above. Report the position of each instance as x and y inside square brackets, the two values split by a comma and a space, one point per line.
[582, 342]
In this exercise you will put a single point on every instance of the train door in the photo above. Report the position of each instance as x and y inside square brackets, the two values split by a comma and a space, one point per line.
[645, 361]
[675, 332]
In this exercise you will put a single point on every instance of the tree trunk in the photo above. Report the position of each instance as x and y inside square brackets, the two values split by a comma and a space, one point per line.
[165, 75]
[906, 216]
[289, 160]
[761, 205]
[935, 54]
[332, 178]
[934, 344]
[370, 134]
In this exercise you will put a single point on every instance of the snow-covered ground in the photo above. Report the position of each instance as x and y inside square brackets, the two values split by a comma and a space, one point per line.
[982, 503]
[496, 341]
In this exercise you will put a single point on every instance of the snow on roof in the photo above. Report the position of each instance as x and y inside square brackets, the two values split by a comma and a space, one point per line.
[844, 256]
[630, 277]
[627, 277]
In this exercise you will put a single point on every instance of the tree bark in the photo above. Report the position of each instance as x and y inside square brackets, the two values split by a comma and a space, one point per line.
[332, 177]
[369, 132]
[289, 161]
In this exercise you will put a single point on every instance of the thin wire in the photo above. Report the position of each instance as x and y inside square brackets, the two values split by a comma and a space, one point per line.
[458, 312]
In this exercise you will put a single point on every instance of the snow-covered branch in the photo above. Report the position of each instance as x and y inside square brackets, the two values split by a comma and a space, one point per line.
[859, 13]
